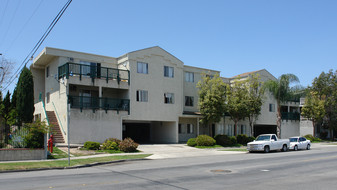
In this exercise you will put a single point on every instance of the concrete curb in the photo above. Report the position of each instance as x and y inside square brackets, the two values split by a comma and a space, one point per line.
[74, 167]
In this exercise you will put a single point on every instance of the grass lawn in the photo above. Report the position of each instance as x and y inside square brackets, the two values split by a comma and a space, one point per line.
[64, 163]
[57, 153]
[235, 149]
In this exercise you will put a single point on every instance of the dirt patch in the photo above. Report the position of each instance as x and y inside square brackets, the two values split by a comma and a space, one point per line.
[79, 152]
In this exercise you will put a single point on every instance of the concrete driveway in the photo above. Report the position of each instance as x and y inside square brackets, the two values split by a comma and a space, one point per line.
[162, 151]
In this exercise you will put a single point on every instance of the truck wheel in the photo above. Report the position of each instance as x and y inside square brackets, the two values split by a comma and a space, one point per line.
[308, 147]
[296, 148]
[284, 148]
[266, 149]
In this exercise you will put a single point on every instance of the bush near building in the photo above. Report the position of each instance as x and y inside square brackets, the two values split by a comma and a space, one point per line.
[90, 145]
[244, 139]
[192, 142]
[205, 140]
[225, 140]
[128, 145]
[312, 138]
[111, 144]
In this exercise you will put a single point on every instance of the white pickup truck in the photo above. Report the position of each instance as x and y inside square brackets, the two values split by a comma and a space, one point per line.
[268, 142]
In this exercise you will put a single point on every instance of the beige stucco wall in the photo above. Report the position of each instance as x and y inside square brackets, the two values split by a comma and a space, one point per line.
[306, 127]
[156, 85]
[290, 128]
[98, 126]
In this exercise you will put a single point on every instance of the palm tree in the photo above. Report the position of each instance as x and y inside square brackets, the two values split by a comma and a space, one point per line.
[282, 92]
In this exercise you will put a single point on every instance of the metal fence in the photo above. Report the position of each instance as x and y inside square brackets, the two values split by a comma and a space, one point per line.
[13, 137]
[93, 71]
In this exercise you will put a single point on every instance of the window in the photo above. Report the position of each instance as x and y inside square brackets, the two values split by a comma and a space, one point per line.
[48, 97]
[47, 72]
[271, 107]
[168, 71]
[243, 129]
[189, 77]
[189, 100]
[169, 98]
[142, 68]
[274, 137]
[230, 130]
[189, 128]
[180, 128]
[142, 96]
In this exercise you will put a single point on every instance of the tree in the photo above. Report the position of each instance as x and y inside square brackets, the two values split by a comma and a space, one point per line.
[6, 104]
[255, 100]
[325, 88]
[211, 98]
[25, 97]
[313, 109]
[6, 68]
[282, 92]
[237, 101]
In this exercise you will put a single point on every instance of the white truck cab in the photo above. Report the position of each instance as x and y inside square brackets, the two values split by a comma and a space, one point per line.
[267, 143]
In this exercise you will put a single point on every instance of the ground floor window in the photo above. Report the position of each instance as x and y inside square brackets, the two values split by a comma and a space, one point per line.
[189, 128]
[180, 130]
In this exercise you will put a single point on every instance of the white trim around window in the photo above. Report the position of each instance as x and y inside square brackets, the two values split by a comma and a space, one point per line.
[141, 96]
[142, 68]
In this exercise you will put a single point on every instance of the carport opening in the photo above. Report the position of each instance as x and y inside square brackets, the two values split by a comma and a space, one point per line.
[264, 129]
[139, 132]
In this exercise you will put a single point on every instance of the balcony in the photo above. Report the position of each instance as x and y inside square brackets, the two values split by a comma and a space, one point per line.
[94, 72]
[290, 116]
[94, 103]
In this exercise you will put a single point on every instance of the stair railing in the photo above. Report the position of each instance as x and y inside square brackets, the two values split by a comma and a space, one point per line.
[44, 108]
[58, 118]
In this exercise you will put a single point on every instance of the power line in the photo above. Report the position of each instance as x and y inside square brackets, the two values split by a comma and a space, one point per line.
[10, 22]
[39, 43]
[24, 26]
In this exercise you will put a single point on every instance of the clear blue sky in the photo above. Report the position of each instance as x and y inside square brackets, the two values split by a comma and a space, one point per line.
[234, 37]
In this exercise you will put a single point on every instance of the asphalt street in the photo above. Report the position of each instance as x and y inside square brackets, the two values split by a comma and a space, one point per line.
[305, 169]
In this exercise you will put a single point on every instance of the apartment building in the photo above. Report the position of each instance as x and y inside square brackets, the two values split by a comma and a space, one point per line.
[148, 95]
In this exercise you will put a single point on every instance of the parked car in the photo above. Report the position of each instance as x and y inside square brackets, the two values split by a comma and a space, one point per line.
[268, 142]
[297, 143]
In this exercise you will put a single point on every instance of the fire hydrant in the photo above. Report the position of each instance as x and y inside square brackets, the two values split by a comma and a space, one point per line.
[50, 144]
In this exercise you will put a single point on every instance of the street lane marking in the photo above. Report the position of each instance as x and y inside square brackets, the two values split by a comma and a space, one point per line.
[265, 170]
[315, 159]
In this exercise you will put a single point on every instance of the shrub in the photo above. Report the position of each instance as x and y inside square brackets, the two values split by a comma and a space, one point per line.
[244, 139]
[89, 145]
[312, 138]
[111, 144]
[35, 137]
[205, 140]
[225, 140]
[192, 142]
[128, 145]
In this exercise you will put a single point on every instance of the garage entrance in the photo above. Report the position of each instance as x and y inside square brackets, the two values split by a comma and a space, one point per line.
[264, 129]
[139, 132]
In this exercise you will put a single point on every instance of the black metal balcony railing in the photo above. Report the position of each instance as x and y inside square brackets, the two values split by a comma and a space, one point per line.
[94, 103]
[290, 116]
[93, 71]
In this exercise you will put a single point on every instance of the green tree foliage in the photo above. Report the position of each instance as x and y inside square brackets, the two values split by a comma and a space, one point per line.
[255, 99]
[313, 109]
[325, 89]
[211, 99]
[282, 92]
[5, 113]
[237, 101]
[25, 96]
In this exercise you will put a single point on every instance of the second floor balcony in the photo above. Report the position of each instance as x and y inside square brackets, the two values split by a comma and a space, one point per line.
[94, 71]
[290, 116]
[94, 103]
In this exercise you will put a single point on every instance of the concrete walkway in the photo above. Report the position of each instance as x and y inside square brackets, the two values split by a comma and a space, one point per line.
[163, 151]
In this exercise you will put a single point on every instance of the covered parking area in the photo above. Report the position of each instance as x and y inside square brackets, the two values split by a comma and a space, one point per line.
[146, 132]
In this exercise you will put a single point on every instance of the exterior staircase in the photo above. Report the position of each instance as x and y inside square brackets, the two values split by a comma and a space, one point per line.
[55, 130]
